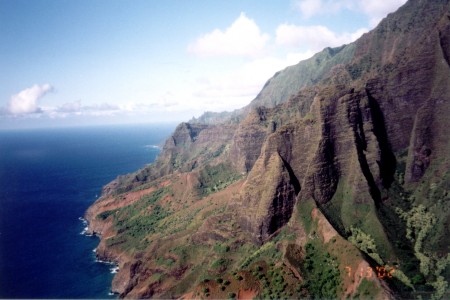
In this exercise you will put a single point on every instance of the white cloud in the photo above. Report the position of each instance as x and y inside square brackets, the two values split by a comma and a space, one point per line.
[295, 58]
[313, 38]
[25, 106]
[375, 10]
[26, 101]
[77, 109]
[242, 38]
[310, 8]
[236, 88]
[70, 107]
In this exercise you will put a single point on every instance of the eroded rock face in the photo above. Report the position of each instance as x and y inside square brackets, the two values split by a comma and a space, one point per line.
[268, 197]
[396, 101]
[248, 139]
[374, 103]
[192, 145]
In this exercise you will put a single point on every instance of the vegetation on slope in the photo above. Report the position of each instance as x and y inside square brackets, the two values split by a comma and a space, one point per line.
[336, 190]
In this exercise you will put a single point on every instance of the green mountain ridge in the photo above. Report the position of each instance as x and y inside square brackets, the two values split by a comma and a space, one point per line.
[332, 183]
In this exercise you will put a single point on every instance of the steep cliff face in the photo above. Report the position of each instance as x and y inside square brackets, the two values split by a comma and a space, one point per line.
[268, 209]
[194, 144]
[391, 107]
[190, 146]
[249, 138]
[347, 150]
[396, 103]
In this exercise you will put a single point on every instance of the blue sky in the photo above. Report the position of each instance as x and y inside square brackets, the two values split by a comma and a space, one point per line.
[120, 61]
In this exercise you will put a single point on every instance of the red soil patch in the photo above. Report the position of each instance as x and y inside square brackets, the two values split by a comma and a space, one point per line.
[124, 200]
[166, 200]
[314, 213]
[187, 296]
[324, 227]
[246, 294]
[165, 183]
[362, 271]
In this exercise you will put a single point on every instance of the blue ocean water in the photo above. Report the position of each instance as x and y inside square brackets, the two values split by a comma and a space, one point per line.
[48, 178]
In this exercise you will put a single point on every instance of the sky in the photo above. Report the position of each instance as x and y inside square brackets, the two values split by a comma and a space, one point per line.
[89, 62]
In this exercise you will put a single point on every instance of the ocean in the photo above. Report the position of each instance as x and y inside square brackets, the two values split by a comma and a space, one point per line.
[48, 178]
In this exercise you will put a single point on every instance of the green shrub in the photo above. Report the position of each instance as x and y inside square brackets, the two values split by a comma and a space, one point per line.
[365, 243]
[221, 248]
[321, 272]
[419, 222]
[220, 263]
[216, 178]
[104, 215]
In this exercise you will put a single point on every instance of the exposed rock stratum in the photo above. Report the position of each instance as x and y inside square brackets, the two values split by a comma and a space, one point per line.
[346, 153]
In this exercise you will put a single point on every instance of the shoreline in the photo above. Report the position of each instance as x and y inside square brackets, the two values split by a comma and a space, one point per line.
[104, 254]
[105, 260]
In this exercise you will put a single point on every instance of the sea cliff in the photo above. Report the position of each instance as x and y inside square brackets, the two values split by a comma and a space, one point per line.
[314, 189]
